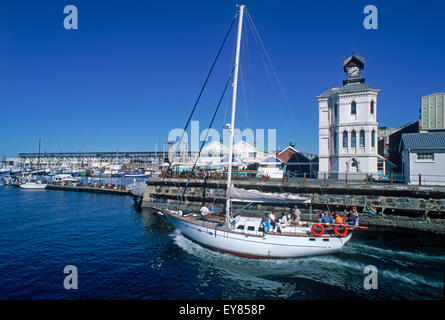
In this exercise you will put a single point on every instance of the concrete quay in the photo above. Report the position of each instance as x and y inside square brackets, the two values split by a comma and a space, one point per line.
[420, 208]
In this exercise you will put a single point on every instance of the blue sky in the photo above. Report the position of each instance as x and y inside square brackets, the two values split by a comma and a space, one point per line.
[133, 69]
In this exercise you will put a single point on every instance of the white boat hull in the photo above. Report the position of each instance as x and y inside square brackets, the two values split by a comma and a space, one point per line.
[251, 246]
[33, 186]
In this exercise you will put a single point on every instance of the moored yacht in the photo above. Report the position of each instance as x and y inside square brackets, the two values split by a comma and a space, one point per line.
[33, 183]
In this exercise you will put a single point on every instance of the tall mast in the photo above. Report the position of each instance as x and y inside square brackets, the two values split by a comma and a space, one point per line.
[38, 157]
[232, 122]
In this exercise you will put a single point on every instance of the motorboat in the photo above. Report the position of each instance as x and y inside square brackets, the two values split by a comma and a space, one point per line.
[65, 179]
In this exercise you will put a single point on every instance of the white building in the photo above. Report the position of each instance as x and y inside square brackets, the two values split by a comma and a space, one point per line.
[348, 126]
[423, 158]
[215, 152]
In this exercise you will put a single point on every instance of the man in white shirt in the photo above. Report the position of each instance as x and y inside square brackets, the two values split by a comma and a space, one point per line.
[273, 220]
[204, 210]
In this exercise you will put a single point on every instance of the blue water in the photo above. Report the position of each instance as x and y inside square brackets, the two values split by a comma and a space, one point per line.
[123, 253]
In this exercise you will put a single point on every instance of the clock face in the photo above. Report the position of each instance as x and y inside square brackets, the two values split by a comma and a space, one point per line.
[353, 71]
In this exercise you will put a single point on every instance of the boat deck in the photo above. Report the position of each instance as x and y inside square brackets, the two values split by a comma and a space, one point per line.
[217, 222]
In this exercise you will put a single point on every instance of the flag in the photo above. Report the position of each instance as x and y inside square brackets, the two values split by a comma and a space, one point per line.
[371, 210]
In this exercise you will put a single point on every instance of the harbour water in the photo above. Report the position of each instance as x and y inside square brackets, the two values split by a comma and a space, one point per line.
[124, 253]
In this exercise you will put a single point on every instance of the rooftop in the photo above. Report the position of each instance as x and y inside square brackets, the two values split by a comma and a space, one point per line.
[350, 87]
[423, 141]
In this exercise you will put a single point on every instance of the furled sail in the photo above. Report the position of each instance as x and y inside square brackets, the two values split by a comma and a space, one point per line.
[243, 195]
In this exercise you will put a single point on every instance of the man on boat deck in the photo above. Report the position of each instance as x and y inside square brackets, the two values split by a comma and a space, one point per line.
[297, 213]
[325, 218]
[352, 219]
[204, 211]
[273, 220]
[266, 223]
[211, 209]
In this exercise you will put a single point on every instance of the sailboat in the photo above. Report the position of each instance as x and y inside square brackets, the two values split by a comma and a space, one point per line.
[245, 235]
[32, 182]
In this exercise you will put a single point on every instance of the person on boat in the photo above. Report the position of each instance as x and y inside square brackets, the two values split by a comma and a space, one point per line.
[325, 218]
[352, 219]
[204, 211]
[266, 223]
[338, 219]
[211, 209]
[297, 214]
[273, 220]
[283, 220]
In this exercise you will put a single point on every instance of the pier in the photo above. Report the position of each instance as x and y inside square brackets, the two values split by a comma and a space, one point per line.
[89, 189]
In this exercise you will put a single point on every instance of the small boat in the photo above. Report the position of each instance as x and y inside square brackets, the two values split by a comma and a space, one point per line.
[33, 184]
[4, 171]
[137, 174]
[118, 174]
[65, 179]
[140, 175]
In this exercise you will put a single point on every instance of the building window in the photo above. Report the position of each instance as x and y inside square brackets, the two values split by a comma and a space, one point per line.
[353, 108]
[373, 138]
[335, 110]
[362, 138]
[353, 140]
[425, 156]
[372, 107]
[345, 139]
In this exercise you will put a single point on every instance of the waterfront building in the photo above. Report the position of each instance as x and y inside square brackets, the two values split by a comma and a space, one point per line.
[348, 132]
[433, 113]
[245, 153]
[388, 148]
[423, 158]
[299, 163]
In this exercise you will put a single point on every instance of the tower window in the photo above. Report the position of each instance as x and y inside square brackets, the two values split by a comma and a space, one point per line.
[353, 108]
[362, 138]
[345, 138]
[353, 139]
[373, 138]
[372, 107]
[335, 110]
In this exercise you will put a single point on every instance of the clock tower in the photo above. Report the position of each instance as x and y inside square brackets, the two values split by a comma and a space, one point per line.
[353, 67]
[348, 126]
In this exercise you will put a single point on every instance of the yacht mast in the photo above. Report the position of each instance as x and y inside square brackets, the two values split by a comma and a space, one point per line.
[38, 157]
[232, 122]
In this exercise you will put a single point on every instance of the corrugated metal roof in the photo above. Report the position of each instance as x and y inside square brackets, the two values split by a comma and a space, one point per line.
[424, 141]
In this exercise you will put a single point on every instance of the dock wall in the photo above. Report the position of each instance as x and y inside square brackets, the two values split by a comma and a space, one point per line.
[398, 206]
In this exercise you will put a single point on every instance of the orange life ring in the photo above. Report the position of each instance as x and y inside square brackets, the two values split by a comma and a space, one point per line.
[320, 226]
[344, 233]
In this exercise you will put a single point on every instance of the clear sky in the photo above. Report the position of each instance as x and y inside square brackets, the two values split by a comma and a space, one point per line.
[133, 69]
